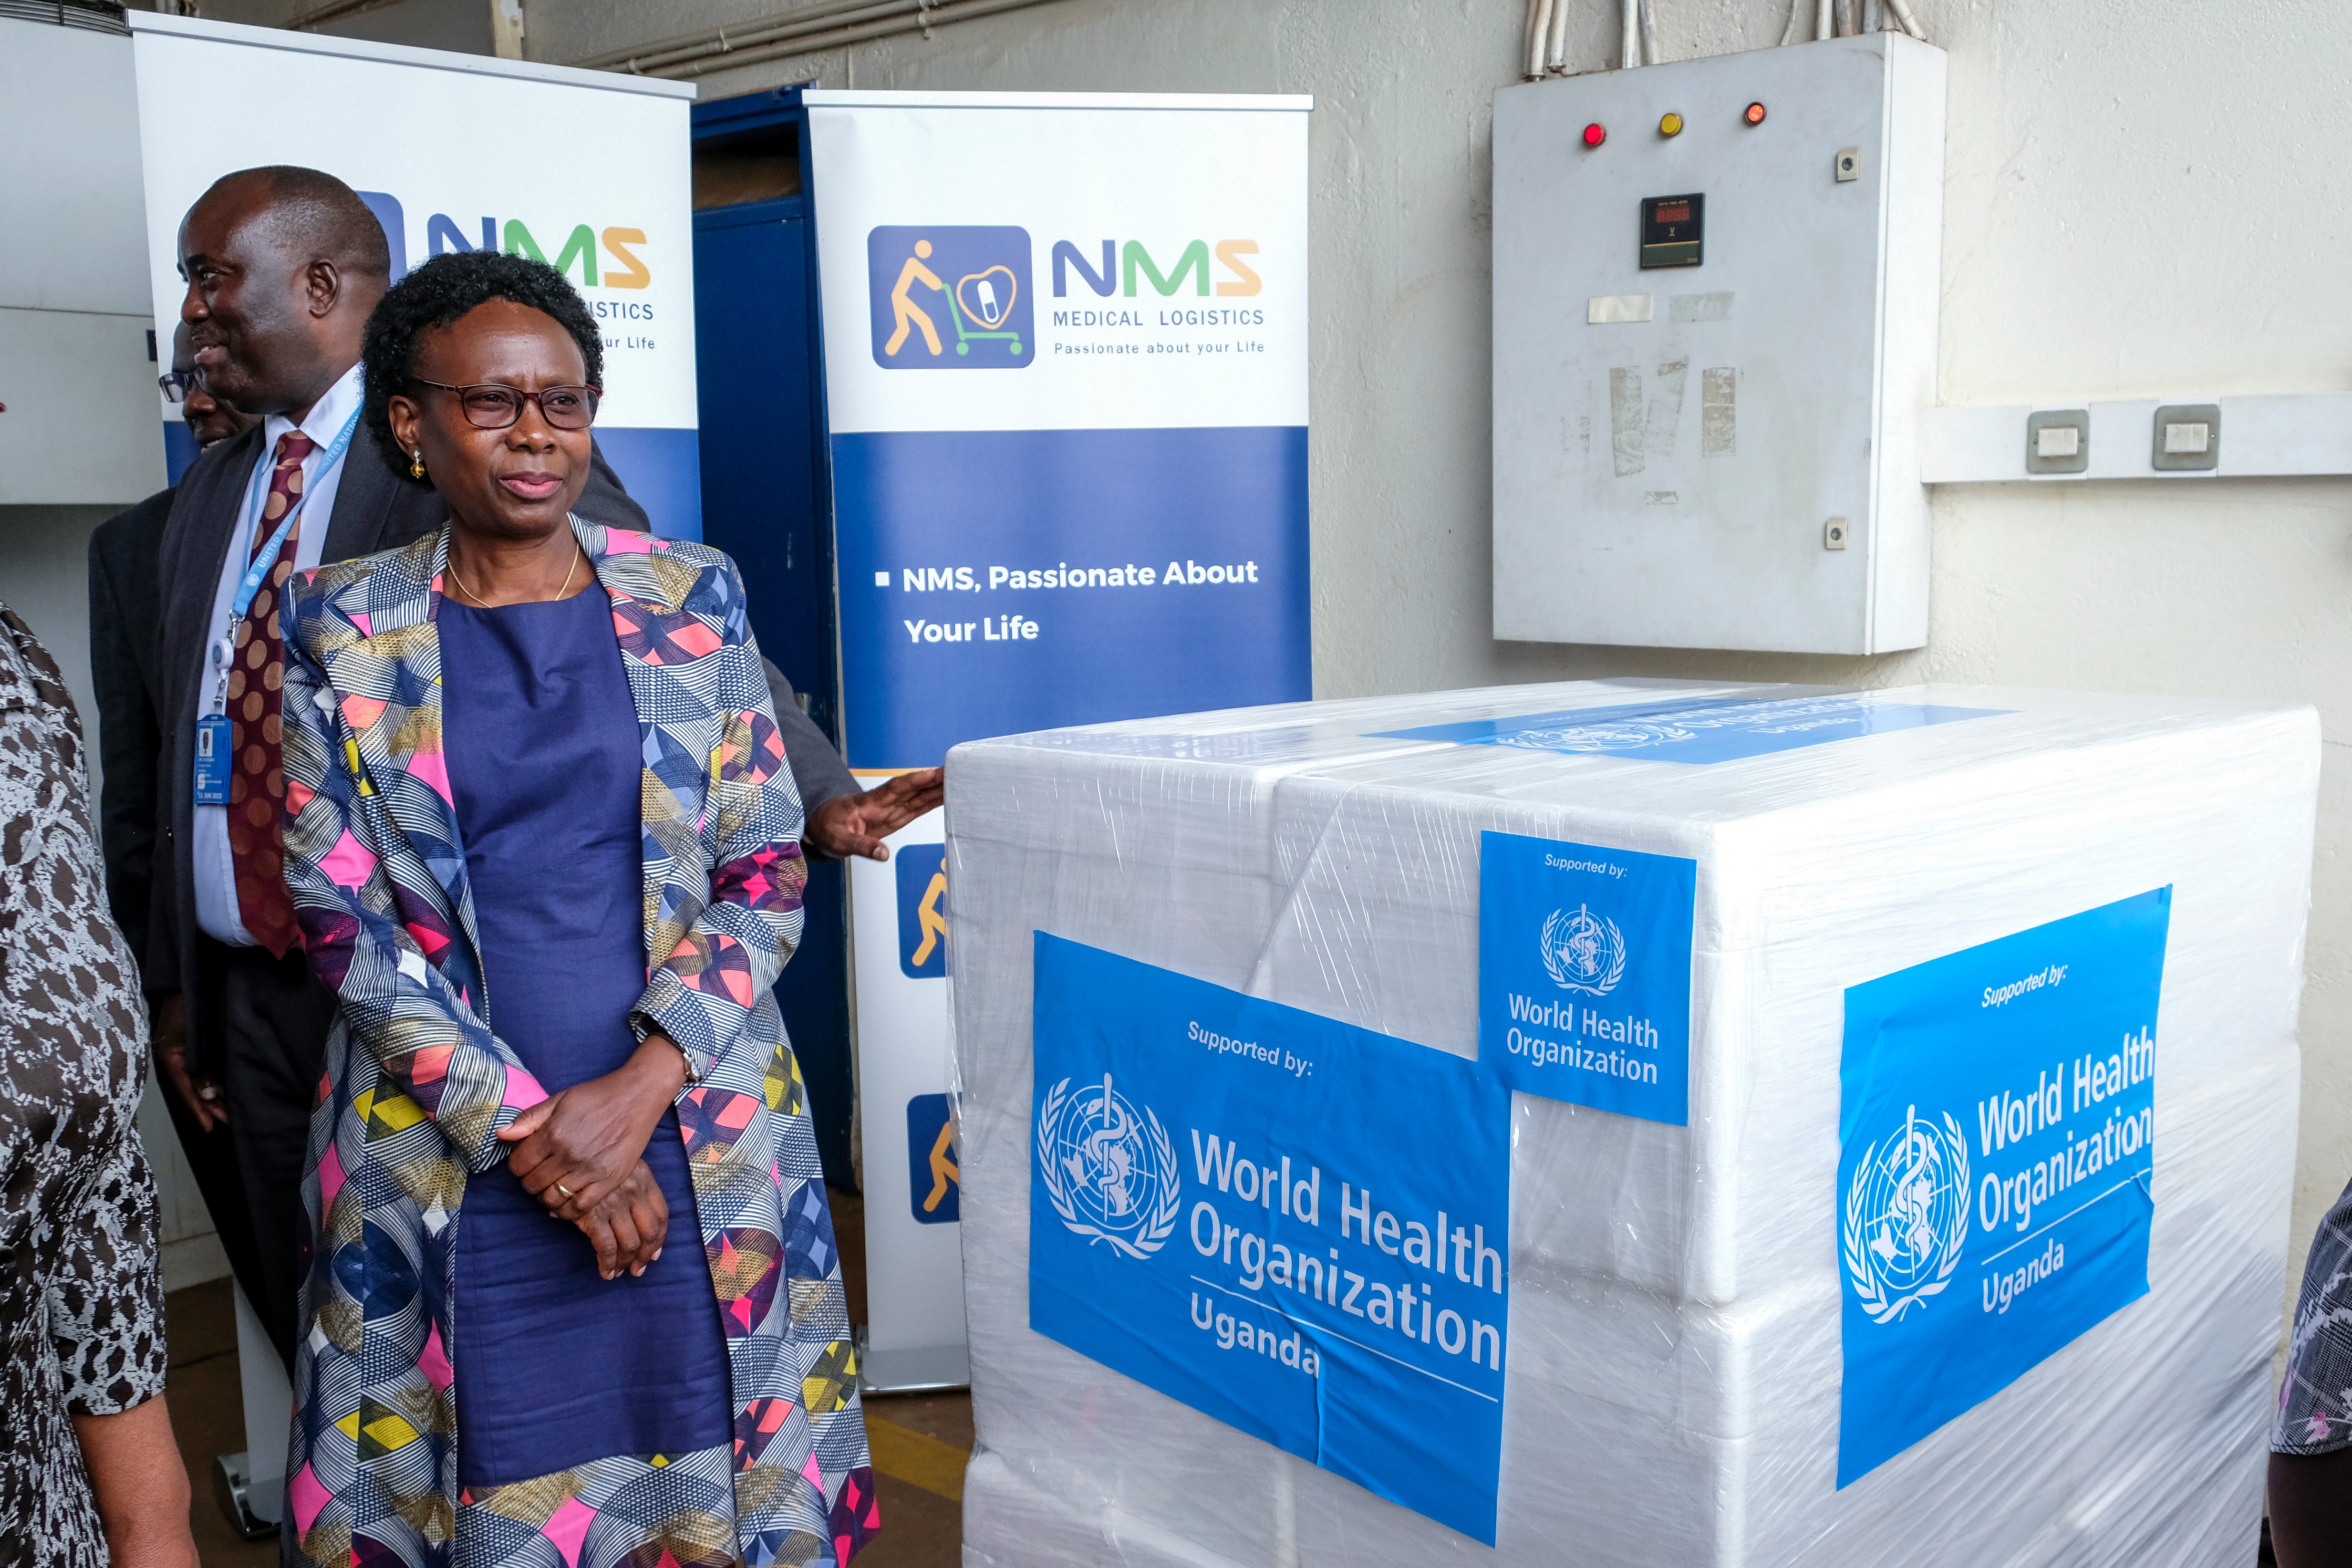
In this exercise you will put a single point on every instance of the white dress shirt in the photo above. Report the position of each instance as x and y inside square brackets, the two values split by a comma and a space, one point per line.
[216, 871]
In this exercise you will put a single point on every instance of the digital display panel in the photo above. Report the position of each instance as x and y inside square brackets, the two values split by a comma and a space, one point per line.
[1672, 230]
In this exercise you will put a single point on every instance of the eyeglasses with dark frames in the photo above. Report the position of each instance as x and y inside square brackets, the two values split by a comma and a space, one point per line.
[491, 405]
[177, 385]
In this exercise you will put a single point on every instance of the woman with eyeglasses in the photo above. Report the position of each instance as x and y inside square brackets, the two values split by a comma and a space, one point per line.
[574, 1291]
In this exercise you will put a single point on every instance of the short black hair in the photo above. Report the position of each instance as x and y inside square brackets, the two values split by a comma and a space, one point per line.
[311, 211]
[435, 295]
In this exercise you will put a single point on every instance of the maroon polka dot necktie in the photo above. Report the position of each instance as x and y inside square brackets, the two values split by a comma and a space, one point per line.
[256, 785]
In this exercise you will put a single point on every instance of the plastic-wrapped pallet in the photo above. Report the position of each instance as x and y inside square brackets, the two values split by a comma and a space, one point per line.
[1763, 1316]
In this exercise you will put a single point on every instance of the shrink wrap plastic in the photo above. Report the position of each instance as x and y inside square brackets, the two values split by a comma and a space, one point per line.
[1674, 1366]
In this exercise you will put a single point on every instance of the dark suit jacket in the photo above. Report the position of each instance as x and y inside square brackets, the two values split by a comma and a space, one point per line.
[123, 600]
[818, 771]
[375, 509]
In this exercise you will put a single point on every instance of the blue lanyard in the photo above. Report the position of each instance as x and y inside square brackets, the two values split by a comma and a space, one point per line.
[263, 559]
[250, 584]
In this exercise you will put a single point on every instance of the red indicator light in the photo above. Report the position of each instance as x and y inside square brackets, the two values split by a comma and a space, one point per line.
[1755, 115]
[1594, 136]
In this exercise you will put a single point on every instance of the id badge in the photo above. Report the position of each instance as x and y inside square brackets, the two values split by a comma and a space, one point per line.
[212, 760]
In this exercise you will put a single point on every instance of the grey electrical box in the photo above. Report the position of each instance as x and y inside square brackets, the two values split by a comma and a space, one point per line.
[1674, 422]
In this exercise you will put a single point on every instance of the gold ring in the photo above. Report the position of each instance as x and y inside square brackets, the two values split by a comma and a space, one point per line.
[565, 1190]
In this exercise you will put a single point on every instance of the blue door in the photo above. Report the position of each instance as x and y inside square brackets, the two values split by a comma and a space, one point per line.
[763, 489]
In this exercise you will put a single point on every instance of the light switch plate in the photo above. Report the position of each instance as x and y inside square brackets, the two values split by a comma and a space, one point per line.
[2161, 455]
[2058, 462]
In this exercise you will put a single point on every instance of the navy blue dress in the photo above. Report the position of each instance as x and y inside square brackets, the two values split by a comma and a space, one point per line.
[554, 1365]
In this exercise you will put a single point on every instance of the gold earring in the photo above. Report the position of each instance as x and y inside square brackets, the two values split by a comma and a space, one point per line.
[416, 464]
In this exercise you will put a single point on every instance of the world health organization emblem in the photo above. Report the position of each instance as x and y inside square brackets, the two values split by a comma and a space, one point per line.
[1906, 1216]
[1626, 735]
[1111, 1173]
[1584, 951]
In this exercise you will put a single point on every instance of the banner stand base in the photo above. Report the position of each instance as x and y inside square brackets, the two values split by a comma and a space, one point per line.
[924, 1369]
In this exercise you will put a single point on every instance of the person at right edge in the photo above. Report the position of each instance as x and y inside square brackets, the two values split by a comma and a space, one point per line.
[2311, 1446]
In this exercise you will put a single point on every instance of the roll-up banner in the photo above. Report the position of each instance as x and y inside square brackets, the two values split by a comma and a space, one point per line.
[1065, 375]
[587, 171]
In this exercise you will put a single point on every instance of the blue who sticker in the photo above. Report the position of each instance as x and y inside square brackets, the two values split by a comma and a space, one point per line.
[922, 874]
[1295, 1226]
[1997, 1117]
[1699, 731]
[1584, 974]
[950, 296]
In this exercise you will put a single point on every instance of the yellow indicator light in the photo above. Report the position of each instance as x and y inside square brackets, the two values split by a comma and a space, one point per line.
[1671, 125]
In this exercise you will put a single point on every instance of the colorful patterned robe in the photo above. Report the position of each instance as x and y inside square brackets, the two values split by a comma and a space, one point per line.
[416, 1086]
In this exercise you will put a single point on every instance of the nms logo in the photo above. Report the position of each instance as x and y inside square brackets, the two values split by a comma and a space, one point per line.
[595, 258]
[946, 297]
[1122, 264]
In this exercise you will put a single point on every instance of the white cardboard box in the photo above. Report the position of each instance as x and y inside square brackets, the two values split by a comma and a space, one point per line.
[1674, 1368]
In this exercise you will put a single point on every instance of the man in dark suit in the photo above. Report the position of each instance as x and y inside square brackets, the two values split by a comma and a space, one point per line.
[841, 819]
[283, 266]
[123, 594]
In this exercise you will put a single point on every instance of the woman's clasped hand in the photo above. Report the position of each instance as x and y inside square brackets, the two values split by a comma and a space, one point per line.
[581, 1152]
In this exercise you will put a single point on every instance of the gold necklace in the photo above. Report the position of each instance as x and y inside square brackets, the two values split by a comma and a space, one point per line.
[569, 573]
